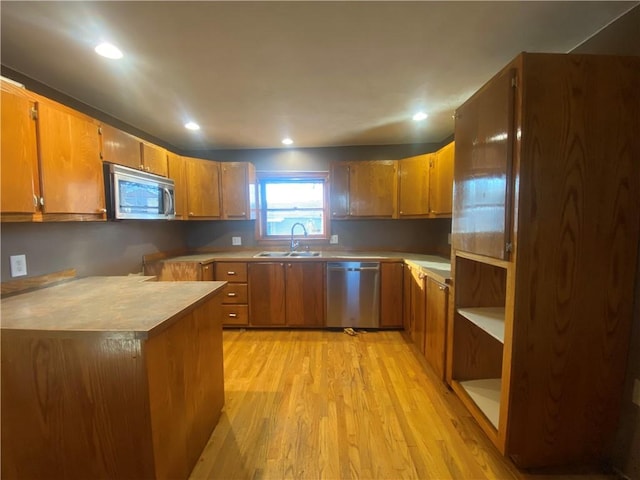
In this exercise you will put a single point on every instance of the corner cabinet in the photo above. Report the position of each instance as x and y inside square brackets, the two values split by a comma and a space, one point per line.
[545, 242]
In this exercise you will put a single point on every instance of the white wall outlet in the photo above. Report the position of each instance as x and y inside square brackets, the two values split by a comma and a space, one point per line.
[18, 265]
[635, 398]
[334, 239]
[449, 238]
[236, 240]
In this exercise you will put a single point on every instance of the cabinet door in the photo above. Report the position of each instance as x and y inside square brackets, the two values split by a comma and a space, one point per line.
[418, 303]
[436, 325]
[70, 165]
[391, 275]
[235, 190]
[482, 171]
[177, 172]
[203, 190]
[441, 181]
[305, 299]
[373, 189]
[19, 155]
[266, 293]
[120, 147]
[407, 280]
[154, 159]
[413, 185]
[339, 191]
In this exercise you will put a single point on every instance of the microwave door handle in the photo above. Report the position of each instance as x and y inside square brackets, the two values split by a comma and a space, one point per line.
[168, 209]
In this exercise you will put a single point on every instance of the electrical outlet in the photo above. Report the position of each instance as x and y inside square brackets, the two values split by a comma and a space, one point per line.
[636, 392]
[333, 239]
[236, 240]
[18, 265]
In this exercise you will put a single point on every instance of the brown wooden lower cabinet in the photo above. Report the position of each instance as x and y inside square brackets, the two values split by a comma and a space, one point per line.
[437, 302]
[100, 404]
[235, 296]
[418, 304]
[282, 294]
[391, 306]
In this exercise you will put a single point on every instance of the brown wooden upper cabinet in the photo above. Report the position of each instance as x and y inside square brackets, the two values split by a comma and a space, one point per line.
[20, 193]
[425, 186]
[70, 166]
[482, 171]
[177, 171]
[128, 150]
[238, 180]
[413, 185]
[372, 189]
[203, 188]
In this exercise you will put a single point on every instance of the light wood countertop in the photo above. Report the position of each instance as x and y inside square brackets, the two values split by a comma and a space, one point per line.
[118, 305]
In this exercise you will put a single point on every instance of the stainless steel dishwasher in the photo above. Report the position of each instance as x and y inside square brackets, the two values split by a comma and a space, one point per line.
[353, 294]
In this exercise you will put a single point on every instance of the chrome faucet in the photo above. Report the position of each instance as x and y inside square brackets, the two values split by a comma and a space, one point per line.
[295, 243]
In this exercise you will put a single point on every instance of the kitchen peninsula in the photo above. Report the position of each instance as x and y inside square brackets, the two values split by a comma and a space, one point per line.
[115, 377]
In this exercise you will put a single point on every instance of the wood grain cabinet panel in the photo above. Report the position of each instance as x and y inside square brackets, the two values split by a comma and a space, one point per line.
[441, 181]
[237, 179]
[203, 188]
[120, 147]
[339, 189]
[373, 189]
[418, 306]
[154, 158]
[304, 290]
[267, 305]
[235, 296]
[70, 164]
[413, 185]
[436, 313]
[19, 155]
[176, 170]
[391, 306]
[539, 334]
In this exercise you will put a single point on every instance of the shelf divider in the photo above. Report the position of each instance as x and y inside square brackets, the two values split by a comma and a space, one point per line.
[485, 392]
[489, 319]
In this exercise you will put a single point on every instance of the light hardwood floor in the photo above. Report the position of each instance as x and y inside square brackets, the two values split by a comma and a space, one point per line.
[322, 404]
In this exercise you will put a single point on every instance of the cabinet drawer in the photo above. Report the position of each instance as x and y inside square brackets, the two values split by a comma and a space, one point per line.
[234, 293]
[235, 315]
[234, 272]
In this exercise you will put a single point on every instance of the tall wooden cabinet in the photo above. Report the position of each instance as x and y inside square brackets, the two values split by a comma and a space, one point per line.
[545, 238]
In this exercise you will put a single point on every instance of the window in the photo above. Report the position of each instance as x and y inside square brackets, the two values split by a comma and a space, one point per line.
[287, 198]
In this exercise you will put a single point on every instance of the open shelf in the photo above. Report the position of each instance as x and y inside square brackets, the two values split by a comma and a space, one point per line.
[485, 392]
[489, 319]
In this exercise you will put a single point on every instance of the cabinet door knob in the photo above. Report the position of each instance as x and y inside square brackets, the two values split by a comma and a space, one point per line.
[206, 267]
[231, 273]
[231, 294]
[102, 210]
[233, 315]
[141, 167]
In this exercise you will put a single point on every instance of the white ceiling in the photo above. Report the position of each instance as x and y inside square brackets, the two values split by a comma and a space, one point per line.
[251, 73]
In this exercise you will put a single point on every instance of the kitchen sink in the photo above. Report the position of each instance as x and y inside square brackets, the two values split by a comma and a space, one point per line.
[271, 254]
[304, 254]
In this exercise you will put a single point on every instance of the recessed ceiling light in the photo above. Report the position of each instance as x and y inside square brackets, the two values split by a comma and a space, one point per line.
[287, 141]
[418, 117]
[192, 126]
[108, 50]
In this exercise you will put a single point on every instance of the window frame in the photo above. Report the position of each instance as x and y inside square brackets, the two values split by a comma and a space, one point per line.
[263, 177]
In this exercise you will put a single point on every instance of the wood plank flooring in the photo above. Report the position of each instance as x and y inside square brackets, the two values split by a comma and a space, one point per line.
[322, 404]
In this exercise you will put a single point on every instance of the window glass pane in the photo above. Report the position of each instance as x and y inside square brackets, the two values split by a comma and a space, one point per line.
[280, 222]
[292, 195]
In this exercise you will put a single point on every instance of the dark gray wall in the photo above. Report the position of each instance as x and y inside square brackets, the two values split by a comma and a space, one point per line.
[92, 248]
[623, 38]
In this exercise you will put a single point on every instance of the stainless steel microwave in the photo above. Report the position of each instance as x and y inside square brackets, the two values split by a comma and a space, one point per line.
[133, 194]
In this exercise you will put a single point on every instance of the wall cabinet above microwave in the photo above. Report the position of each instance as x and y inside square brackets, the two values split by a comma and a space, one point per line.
[125, 149]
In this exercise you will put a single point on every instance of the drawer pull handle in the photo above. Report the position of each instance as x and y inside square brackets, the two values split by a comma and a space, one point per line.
[231, 273]
[231, 294]
[233, 315]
